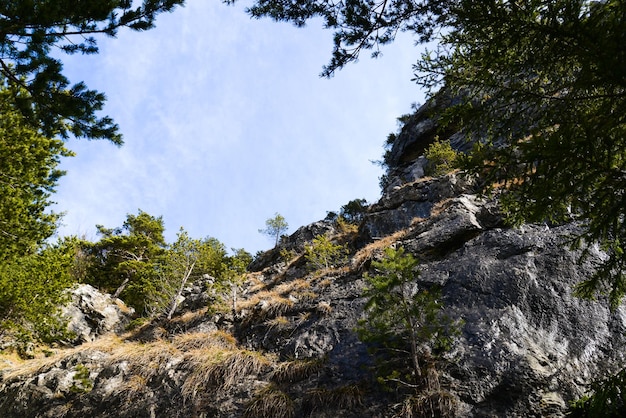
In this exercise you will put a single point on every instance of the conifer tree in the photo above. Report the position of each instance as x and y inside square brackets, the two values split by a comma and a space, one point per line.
[29, 33]
[33, 288]
[539, 86]
[275, 228]
[406, 330]
[123, 261]
[28, 177]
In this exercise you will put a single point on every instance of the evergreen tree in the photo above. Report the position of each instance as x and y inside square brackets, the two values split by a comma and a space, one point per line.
[31, 30]
[275, 228]
[28, 177]
[185, 261]
[538, 84]
[124, 260]
[323, 254]
[406, 330]
[33, 288]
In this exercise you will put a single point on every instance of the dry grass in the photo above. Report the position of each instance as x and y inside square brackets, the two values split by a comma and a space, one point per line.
[270, 402]
[279, 323]
[223, 339]
[23, 368]
[417, 220]
[296, 370]
[199, 340]
[146, 360]
[430, 404]
[306, 296]
[326, 282]
[133, 386]
[368, 252]
[297, 285]
[346, 397]
[275, 306]
[265, 304]
[189, 317]
[220, 369]
[441, 206]
[324, 308]
[255, 282]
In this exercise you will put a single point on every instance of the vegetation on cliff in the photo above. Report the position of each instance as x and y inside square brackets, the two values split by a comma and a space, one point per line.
[538, 87]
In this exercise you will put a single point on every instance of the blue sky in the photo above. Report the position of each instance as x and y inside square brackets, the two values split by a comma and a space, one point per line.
[226, 122]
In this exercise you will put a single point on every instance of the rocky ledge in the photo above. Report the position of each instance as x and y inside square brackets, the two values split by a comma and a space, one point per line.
[287, 347]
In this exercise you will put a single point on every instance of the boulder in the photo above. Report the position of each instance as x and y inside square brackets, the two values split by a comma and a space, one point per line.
[92, 313]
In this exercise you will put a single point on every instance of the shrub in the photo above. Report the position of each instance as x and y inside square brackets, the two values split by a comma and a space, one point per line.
[324, 254]
[442, 158]
[403, 317]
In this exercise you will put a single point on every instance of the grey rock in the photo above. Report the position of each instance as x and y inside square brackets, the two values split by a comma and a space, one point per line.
[528, 345]
[400, 208]
[92, 313]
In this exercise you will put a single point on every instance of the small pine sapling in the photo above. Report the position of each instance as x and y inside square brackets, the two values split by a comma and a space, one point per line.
[404, 325]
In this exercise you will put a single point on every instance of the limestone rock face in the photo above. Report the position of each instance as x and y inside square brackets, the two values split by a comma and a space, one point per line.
[92, 313]
[526, 345]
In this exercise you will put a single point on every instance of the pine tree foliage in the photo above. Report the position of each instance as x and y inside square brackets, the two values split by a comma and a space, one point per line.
[359, 25]
[123, 260]
[28, 177]
[324, 254]
[607, 401]
[542, 89]
[30, 32]
[404, 322]
[184, 261]
[275, 228]
[33, 288]
[136, 264]
[442, 158]
[540, 85]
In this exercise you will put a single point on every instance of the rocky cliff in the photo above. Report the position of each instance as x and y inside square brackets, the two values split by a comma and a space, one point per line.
[286, 345]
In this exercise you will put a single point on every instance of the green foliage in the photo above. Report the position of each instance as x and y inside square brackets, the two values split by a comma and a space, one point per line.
[358, 26]
[28, 176]
[442, 158]
[237, 264]
[538, 91]
[323, 254]
[183, 262]
[82, 381]
[607, 401]
[287, 255]
[30, 31]
[354, 211]
[33, 288]
[135, 263]
[123, 261]
[404, 323]
[538, 85]
[275, 228]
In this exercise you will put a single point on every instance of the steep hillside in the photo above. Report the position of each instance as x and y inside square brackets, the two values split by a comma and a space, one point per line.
[286, 344]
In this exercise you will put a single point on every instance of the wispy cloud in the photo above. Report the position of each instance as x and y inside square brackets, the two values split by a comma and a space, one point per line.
[226, 122]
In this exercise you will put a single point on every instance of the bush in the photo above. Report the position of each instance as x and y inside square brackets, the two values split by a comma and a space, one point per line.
[404, 317]
[442, 158]
[324, 254]
[32, 290]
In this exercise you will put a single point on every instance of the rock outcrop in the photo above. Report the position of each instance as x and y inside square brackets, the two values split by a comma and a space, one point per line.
[287, 346]
[92, 314]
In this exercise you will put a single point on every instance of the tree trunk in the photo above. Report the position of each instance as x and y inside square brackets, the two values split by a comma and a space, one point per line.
[174, 304]
[121, 288]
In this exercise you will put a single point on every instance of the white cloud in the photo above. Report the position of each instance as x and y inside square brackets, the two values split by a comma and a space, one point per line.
[226, 122]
